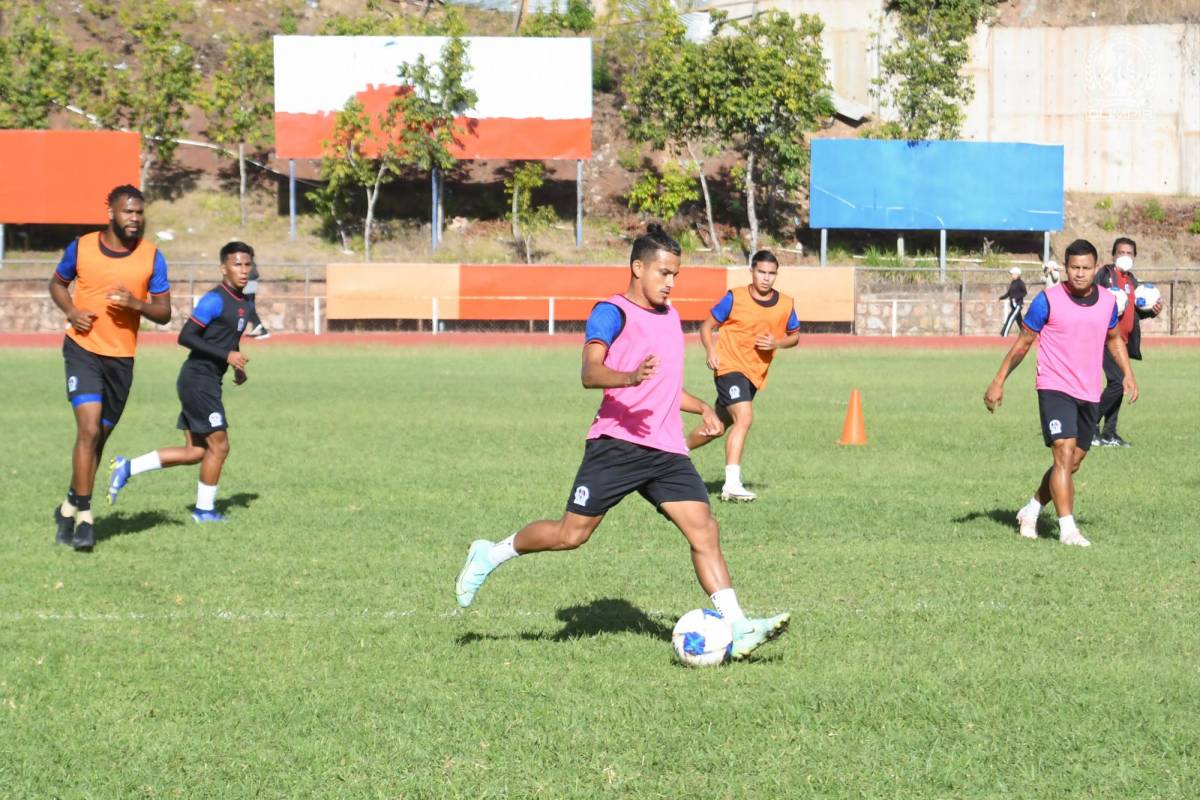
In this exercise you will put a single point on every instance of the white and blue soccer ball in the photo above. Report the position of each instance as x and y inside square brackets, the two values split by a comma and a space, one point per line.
[702, 638]
[1122, 300]
[1146, 296]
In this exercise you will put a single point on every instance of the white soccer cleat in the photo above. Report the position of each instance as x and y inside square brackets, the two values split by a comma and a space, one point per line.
[737, 494]
[1028, 524]
[1075, 538]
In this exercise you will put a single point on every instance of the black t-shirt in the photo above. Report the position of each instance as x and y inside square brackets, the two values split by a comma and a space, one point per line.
[215, 328]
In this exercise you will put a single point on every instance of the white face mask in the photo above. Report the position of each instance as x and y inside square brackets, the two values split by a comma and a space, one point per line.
[1124, 263]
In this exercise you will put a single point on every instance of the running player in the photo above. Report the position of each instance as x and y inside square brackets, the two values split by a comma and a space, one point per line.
[119, 278]
[212, 335]
[634, 351]
[751, 322]
[1073, 323]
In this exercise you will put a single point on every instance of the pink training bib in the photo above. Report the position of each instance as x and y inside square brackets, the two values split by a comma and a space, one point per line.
[646, 414]
[1070, 355]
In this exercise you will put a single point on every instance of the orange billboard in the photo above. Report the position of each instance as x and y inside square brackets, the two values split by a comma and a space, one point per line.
[63, 176]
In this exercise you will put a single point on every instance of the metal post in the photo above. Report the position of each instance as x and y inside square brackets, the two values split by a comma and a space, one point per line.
[441, 207]
[433, 231]
[434, 320]
[550, 326]
[1045, 246]
[1, 245]
[317, 316]
[942, 254]
[292, 199]
[578, 203]
[900, 248]
[894, 304]
[824, 245]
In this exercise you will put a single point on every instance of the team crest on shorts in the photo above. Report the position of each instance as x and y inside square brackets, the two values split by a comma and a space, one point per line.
[214, 419]
[581, 496]
[735, 392]
[72, 382]
[1055, 427]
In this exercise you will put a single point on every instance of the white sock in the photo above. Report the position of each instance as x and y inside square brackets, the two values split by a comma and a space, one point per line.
[67, 510]
[503, 550]
[145, 463]
[205, 496]
[733, 474]
[1032, 507]
[727, 604]
[85, 516]
[1066, 525]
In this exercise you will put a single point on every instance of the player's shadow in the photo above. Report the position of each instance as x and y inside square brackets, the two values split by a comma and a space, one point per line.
[239, 500]
[1007, 519]
[122, 524]
[607, 615]
[715, 487]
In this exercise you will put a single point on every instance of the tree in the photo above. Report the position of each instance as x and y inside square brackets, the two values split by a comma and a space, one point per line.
[921, 70]
[360, 155]
[240, 103]
[35, 67]
[771, 74]
[154, 95]
[671, 92]
[661, 195]
[527, 219]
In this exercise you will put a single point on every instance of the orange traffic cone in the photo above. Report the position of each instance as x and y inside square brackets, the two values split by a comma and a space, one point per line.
[854, 429]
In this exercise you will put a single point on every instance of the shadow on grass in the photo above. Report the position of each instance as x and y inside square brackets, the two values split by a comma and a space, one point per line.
[714, 487]
[606, 615]
[240, 500]
[121, 524]
[1007, 518]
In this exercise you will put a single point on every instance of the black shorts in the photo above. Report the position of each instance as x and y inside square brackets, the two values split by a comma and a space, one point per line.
[734, 388]
[93, 378]
[200, 396]
[1064, 417]
[612, 468]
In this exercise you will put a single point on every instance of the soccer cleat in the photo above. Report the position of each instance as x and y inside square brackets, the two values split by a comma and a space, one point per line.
[1027, 523]
[737, 494]
[65, 527]
[200, 515]
[118, 476]
[259, 332]
[1075, 538]
[474, 572]
[1097, 441]
[748, 634]
[84, 539]
[1114, 441]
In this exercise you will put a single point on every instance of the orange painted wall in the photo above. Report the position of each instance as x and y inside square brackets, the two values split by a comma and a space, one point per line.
[63, 176]
[822, 294]
[391, 291]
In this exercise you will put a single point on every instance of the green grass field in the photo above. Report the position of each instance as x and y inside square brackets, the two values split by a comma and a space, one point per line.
[312, 647]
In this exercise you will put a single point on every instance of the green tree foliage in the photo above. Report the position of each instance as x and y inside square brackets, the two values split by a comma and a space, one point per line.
[528, 220]
[922, 69]
[159, 89]
[428, 112]
[577, 18]
[671, 94]
[770, 73]
[240, 102]
[35, 66]
[660, 195]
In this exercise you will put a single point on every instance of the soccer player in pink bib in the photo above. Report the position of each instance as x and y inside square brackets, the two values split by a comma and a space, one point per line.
[1073, 323]
[634, 351]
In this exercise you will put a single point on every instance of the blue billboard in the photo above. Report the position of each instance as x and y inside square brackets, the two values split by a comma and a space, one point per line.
[942, 185]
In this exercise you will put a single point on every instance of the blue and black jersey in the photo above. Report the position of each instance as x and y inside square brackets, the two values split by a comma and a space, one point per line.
[215, 328]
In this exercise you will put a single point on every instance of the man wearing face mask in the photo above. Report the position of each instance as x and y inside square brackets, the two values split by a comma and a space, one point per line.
[1118, 277]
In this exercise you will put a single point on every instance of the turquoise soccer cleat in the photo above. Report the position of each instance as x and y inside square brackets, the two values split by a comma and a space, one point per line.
[748, 634]
[118, 476]
[474, 572]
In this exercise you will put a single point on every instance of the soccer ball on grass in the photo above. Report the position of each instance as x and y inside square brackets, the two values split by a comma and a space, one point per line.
[702, 638]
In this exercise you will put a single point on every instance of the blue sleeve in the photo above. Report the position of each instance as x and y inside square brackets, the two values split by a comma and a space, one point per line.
[604, 324]
[1039, 313]
[793, 321]
[158, 277]
[70, 258]
[208, 309]
[1115, 317]
[721, 311]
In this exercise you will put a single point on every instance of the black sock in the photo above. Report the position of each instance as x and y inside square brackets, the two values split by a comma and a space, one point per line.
[83, 502]
[72, 498]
